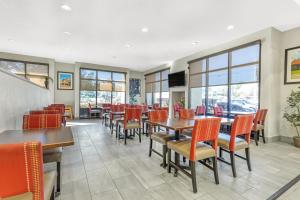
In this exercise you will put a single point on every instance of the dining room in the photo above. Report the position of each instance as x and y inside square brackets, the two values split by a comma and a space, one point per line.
[97, 103]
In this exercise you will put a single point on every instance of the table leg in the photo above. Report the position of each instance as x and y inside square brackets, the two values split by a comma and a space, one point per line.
[177, 161]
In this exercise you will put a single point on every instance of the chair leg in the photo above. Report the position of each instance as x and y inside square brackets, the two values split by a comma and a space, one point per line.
[232, 159]
[183, 159]
[247, 151]
[215, 166]
[58, 169]
[52, 197]
[140, 137]
[220, 152]
[193, 172]
[125, 136]
[256, 135]
[263, 135]
[150, 147]
[169, 160]
[164, 156]
[117, 129]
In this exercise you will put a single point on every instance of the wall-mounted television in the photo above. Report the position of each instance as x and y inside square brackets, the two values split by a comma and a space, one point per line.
[177, 79]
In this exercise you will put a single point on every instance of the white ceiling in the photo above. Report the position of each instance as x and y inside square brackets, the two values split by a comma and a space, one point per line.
[100, 29]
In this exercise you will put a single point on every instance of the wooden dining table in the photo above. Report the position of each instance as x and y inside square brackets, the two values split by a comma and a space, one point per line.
[177, 125]
[49, 138]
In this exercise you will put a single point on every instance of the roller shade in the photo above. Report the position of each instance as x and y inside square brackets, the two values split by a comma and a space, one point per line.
[197, 80]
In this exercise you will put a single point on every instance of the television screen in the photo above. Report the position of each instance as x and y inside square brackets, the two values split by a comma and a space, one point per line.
[177, 79]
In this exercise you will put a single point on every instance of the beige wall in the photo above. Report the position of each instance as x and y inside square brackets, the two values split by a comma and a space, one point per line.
[273, 92]
[18, 95]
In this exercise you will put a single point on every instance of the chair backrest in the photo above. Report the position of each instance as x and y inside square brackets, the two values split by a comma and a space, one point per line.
[21, 170]
[186, 114]
[200, 110]
[241, 126]
[260, 117]
[144, 108]
[176, 107]
[163, 108]
[38, 112]
[40, 121]
[158, 116]
[155, 106]
[205, 130]
[61, 109]
[106, 105]
[218, 111]
[132, 114]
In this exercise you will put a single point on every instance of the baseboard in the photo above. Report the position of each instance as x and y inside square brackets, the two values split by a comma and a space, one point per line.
[285, 139]
[273, 139]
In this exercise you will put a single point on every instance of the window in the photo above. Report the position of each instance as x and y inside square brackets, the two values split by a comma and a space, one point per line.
[229, 79]
[34, 72]
[97, 87]
[157, 88]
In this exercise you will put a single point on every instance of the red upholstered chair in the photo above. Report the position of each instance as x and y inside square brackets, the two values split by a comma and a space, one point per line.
[155, 106]
[158, 136]
[132, 121]
[238, 139]
[186, 114]
[259, 125]
[218, 111]
[200, 110]
[203, 145]
[38, 112]
[46, 121]
[21, 173]
[92, 111]
[176, 109]
[114, 119]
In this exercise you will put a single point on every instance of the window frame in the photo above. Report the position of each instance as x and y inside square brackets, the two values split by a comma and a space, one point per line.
[229, 73]
[101, 80]
[27, 74]
[160, 82]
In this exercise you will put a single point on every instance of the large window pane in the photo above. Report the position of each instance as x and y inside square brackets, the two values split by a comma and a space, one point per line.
[149, 98]
[198, 67]
[103, 75]
[244, 74]
[37, 69]
[104, 86]
[164, 74]
[197, 97]
[118, 76]
[218, 62]
[165, 99]
[13, 67]
[244, 97]
[39, 80]
[88, 85]
[87, 97]
[198, 80]
[245, 55]
[118, 87]
[157, 76]
[217, 96]
[156, 87]
[103, 97]
[218, 77]
[165, 86]
[118, 97]
[89, 74]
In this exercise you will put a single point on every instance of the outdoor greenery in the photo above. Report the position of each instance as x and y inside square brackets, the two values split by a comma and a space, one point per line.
[292, 111]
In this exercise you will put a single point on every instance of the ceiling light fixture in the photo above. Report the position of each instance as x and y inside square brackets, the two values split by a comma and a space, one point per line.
[230, 27]
[10, 40]
[196, 42]
[66, 7]
[127, 45]
[297, 2]
[67, 33]
[145, 30]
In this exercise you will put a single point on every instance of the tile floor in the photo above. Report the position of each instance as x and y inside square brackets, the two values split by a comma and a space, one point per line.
[99, 167]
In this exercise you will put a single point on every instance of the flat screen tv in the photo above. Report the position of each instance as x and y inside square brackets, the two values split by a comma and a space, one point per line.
[177, 79]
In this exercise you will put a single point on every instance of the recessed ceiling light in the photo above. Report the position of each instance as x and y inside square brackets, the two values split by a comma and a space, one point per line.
[66, 7]
[297, 2]
[230, 27]
[145, 30]
[114, 57]
[10, 40]
[127, 45]
[196, 42]
[67, 33]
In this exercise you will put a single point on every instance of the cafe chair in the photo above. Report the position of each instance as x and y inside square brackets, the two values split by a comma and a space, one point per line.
[200, 110]
[155, 106]
[132, 121]
[43, 121]
[22, 176]
[176, 109]
[114, 119]
[238, 139]
[201, 146]
[93, 111]
[187, 114]
[218, 111]
[259, 125]
[158, 136]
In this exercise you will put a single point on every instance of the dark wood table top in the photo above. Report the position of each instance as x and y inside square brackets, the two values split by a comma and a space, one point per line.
[179, 124]
[50, 138]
